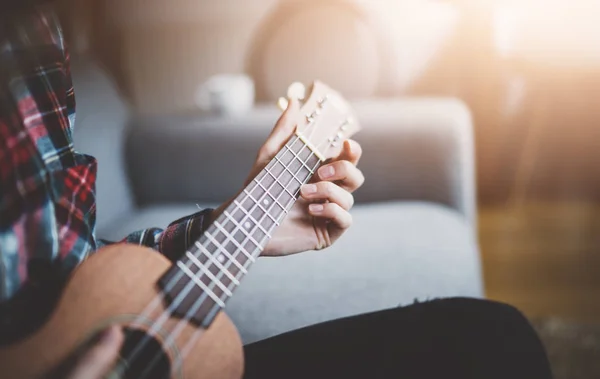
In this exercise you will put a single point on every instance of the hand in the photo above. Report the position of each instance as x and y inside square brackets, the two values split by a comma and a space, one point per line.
[98, 361]
[321, 215]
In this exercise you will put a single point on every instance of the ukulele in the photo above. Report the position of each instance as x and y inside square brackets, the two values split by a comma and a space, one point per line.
[171, 313]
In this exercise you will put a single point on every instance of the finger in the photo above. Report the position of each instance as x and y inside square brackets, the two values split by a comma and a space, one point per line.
[328, 191]
[97, 362]
[282, 131]
[333, 212]
[346, 174]
[351, 151]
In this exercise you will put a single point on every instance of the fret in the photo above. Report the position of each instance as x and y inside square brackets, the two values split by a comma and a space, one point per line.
[198, 304]
[225, 224]
[210, 275]
[225, 275]
[296, 172]
[275, 169]
[311, 172]
[283, 185]
[244, 236]
[229, 238]
[211, 316]
[284, 157]
[257, 210]
[255, 228]
[287, 168]
[287, 172]
[290, 177]
[305, 156]
[257, 222]
[250, 237]
[288, 181]
[215, 262]
[231, 259]
[237, 237]
[304, 153]
[200, 284]
[272, 197]
[239, 247]
[316, 162]
[262, 212]
[261, 207]
[232, 254]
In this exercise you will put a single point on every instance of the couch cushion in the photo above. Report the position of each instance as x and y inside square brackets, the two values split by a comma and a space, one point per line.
[413, 149]
[394, 253]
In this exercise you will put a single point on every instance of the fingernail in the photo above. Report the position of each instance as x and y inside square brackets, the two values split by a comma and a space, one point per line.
[316, 207]
[309, 188]
[283, 103]
[326, 172]
[349, 146]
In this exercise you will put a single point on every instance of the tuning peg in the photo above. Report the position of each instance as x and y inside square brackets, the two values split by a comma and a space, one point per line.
[296, 90]
[282, 103]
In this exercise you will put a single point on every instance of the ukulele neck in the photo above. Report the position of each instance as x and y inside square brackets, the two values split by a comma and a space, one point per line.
[204, 279]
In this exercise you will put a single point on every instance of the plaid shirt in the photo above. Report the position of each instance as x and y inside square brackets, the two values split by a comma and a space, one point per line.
[47, 189]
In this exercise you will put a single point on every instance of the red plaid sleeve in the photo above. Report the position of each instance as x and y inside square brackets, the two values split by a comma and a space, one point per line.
[47, 189]
[173, 241]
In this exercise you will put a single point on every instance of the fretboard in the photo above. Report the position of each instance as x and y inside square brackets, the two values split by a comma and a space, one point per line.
[198, 286]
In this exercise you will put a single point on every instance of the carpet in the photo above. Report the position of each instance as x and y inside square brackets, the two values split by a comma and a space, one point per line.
[573, 349]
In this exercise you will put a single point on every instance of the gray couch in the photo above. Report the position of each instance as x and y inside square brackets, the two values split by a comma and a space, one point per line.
[414, 232]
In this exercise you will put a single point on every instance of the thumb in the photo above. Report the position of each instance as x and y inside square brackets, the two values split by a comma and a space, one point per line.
[284, 128]
[96, 362]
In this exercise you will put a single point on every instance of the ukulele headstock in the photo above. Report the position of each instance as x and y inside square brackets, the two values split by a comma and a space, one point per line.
[326, 119]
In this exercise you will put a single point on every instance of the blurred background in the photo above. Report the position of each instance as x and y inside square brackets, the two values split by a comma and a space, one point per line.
[528, 70]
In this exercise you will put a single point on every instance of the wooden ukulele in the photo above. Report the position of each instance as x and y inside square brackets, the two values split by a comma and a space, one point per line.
[171, 313]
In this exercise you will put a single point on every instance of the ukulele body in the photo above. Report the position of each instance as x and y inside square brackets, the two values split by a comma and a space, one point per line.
[117, 283]
[114, 286]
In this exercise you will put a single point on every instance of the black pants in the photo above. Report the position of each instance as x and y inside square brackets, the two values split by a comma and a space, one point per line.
[451, 338]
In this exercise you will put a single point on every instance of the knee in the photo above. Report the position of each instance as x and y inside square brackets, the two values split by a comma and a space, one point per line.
[473, 312]
[489, 318]
[484, 309]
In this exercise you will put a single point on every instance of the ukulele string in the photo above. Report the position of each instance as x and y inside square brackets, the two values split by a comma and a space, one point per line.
[194, 337]
[176, 331]
[170, 339]
[167, 313]
[158, 299]
[177, 301]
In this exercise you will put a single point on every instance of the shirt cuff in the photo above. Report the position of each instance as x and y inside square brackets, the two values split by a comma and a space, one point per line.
[176, 239]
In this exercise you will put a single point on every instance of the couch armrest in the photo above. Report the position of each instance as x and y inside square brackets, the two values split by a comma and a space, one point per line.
[414, 149]
[418, 149]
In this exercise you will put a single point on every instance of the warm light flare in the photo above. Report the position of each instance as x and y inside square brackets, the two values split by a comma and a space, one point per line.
[557, 33]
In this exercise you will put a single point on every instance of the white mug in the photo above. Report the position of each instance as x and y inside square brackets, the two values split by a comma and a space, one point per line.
[226, 94]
